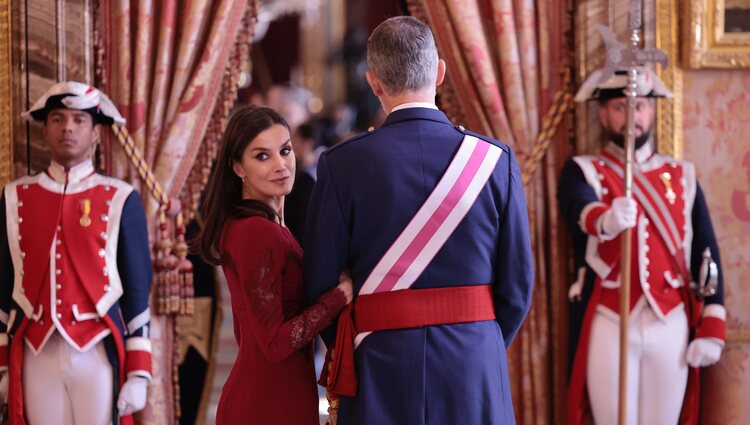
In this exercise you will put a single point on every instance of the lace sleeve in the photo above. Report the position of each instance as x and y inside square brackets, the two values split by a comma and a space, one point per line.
[316, 317]
[259, 267]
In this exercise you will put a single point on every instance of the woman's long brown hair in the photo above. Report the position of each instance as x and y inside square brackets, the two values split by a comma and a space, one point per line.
[223, 198]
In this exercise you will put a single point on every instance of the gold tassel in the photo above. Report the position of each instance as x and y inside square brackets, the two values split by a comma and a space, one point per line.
[333, 399]
[165, 267]
[185, 269]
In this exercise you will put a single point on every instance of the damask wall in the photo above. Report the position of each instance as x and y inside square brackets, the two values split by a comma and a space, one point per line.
[716, 136]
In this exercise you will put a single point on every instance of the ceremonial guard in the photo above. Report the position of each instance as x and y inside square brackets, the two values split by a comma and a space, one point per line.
[431, 221]
[677, 320]
[76, 276]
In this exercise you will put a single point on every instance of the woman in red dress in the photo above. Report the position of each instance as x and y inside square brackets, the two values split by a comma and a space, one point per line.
[273, 378]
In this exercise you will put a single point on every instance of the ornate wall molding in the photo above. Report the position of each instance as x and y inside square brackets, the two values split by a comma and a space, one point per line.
[669, 113]
[6, 98]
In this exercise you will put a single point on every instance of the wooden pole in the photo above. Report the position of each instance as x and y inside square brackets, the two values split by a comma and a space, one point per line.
[626, 240]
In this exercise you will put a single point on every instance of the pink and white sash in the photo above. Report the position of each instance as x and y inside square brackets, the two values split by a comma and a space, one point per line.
[435, 221]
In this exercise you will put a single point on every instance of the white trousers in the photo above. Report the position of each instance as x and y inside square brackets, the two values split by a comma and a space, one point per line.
[657, 369]
[62, 386]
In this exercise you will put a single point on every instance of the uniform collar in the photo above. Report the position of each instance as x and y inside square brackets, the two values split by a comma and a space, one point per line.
[414, 105]
[641, 155]
[75, 174]
[416, 113]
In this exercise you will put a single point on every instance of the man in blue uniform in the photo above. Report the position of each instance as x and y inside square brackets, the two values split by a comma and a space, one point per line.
[431, 222]
[75, 277]
[673, 246]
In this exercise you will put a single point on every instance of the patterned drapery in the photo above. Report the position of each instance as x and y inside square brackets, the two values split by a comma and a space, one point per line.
[503, 58]
[166, 66]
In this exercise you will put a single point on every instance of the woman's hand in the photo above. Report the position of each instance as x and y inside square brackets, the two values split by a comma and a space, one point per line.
[345, 285]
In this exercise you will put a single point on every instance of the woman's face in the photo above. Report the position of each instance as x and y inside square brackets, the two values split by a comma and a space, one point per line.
[267, 166]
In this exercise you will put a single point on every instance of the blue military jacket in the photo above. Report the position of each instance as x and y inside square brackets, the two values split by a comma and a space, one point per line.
[368, 189]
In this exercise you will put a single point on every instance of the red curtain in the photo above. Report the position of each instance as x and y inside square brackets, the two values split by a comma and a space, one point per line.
[166, 66]
[504, 59]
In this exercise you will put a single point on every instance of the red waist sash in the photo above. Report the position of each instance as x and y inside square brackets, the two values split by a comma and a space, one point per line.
[408, 308]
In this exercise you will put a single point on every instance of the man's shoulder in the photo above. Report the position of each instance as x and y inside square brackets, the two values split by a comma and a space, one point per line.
[487, 139]
[357, 138]
[373, 134]
[27, 179]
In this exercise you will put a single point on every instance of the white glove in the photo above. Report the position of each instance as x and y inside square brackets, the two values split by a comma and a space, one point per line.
[704, 352]
[622, 215]
[132, 396]
[4, 387]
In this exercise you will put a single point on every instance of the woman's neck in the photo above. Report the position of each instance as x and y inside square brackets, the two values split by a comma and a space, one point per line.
[276, 203]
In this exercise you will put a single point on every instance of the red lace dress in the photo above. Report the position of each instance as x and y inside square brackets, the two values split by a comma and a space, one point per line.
[273, 378]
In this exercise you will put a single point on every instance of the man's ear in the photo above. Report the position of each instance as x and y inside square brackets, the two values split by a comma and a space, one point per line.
[442, 68]
[374, 82]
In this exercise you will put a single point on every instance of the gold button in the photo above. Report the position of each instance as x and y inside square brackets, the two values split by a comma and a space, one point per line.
[58, 302]
[460, 127]
[58, 272]
[371, 129]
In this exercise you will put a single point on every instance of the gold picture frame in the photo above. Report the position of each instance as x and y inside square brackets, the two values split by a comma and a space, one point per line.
[669, 113]
[716, 34]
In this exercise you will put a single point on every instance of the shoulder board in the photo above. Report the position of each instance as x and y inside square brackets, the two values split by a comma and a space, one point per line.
[29, 179]
[586, 159]
[497, 143]
[666, 159]
[361, 135]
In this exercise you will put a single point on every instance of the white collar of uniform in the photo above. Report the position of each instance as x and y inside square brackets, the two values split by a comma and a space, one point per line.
[641, 155]
[75, 174]
[414, 105]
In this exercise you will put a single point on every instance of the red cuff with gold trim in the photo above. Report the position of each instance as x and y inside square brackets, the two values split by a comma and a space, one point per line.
[138, 357]
[712, 327]
[590, 216]
[713, 323]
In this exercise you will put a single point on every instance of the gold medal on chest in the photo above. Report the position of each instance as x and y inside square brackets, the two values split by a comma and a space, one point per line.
[85, 220]
[666, 179]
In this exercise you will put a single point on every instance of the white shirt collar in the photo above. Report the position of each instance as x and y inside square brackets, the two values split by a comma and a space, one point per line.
[414, 105]
[75, 174]
[641, 155]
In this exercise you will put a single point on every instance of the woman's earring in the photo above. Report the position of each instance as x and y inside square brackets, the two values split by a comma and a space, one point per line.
[243, 180]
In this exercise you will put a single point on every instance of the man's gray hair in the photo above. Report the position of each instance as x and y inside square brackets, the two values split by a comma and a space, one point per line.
[401, 52]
